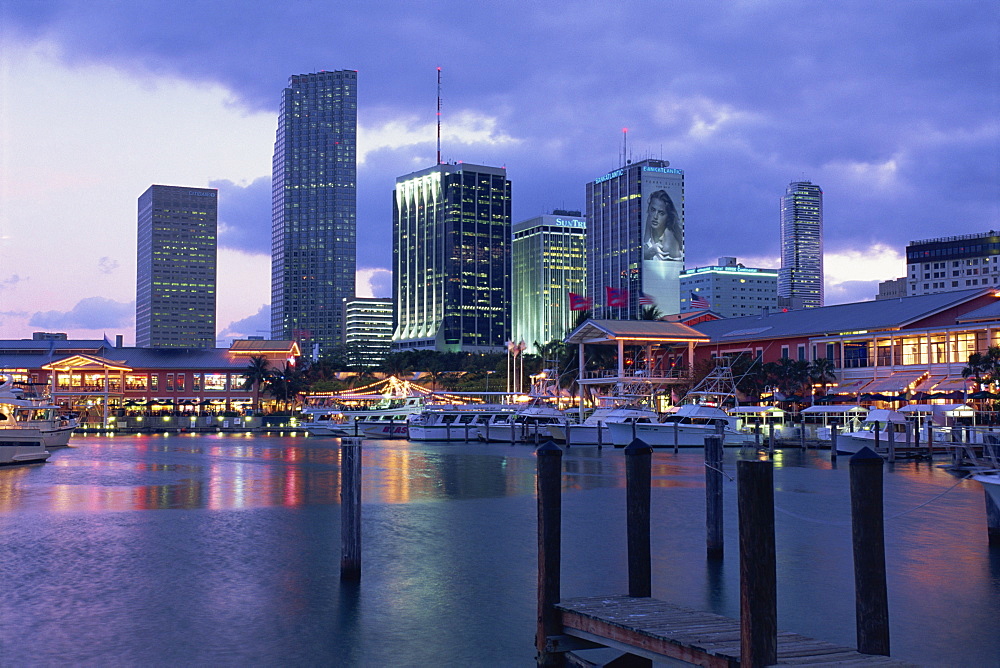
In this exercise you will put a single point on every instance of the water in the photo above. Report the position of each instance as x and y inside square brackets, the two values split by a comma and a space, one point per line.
[225, 551]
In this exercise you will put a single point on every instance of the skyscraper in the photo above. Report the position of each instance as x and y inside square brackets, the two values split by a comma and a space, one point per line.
[368, 330]
[635, 238]
[549, 262]
[314, 208]
[175, 268]
[800, 278]
[451, 259]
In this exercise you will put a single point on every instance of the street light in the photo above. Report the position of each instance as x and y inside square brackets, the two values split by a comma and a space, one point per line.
[488, 380]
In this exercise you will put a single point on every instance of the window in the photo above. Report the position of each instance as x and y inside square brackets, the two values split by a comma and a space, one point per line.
[215, 382]
[154, 382]
[784, 352]
[170, 382]
[802, 352]
[196, 382]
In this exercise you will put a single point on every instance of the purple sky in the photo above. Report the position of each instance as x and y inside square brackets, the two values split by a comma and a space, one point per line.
[892, 107]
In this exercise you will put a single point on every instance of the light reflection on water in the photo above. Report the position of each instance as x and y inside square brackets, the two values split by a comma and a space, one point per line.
[239, 564]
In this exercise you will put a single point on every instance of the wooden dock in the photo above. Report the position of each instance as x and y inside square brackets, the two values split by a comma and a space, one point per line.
[661, 631]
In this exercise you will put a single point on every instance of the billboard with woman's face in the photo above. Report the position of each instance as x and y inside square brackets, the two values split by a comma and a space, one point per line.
[663, 236]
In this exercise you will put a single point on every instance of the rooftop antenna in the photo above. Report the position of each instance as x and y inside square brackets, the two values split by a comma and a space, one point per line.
[439, 117]
[625, 146]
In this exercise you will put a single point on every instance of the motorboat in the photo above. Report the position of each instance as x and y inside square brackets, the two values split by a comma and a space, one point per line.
[458, 422]
[530, 424]
[845, 417]
[685, 427]
[877, 424]
[768, 419]
[19, 445]
[33, 413]
[385, 419]
[945, 422]
[594, 429]
[990, 480]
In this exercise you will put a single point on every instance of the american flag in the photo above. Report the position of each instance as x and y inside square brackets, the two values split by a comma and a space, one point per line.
[698, 301]
[617, 296]
[645, 300]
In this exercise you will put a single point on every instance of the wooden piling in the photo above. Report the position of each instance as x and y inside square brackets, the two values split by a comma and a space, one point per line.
[600, 435]
[677, 438]
[713, 497]
[802, 432]
[833, 442]
[876, 434]
[868, 534]
[638, 474]
[930, 440]
[350, 508]
[756, 436]
[758, 569]
[992, 519]
[770, 437]
[548, 489]
[892, 443]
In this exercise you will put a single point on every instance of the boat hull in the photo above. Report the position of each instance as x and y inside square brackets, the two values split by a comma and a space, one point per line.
[22, 448]
[991, 483]
[663, 435]
[581, 434]
[384, 431]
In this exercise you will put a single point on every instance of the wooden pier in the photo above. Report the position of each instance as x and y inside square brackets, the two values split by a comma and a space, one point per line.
[659, 631]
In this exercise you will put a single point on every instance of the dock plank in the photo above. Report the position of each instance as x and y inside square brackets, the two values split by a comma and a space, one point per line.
[657, 629]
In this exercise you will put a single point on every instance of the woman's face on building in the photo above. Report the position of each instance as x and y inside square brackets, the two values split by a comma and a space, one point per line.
[658, 214]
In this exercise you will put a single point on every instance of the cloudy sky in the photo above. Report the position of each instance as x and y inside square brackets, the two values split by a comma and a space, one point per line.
[891, 106]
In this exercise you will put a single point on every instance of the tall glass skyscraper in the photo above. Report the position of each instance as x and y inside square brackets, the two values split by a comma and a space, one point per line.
[175, 268]
[451, 259]
[635, 239]
[314, 208]
[549, 262]
[800, 278]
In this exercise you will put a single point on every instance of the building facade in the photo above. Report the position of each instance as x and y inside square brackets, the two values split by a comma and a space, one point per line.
[635, 239]
[800, 278]
[946, 264]
[175, 288]
[314, 209]
[891, 289]
[368, 327]
[548, 263]
[451, 259]
[729, 289]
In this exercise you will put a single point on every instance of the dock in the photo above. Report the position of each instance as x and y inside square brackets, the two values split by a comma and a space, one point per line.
[660, 631]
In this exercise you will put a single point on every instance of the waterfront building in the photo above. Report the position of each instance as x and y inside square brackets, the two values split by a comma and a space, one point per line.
[729, 289]
[892, 289]
[368, 327]
[548, 263]
[451, 259]
[800, 278]
[175, 287]
[953, 263]
[635, 239]
[314, 208]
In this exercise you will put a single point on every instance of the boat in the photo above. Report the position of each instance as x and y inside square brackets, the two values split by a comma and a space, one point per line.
[750, 418]
[945, 421]
[845, 417]
[532, 423]
[18, 444]
[594, 429]
[32, 413]
[385, 417]
[878, 421]
[686, 427]
[457, 422]
[991, 483]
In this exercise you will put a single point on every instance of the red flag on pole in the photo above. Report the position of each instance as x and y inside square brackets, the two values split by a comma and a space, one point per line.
[617, 296]
[579, 302]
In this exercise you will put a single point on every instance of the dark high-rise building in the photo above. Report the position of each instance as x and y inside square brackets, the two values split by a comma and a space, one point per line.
[176, 268]
[800, 278]
[451, 259]
[635, 239]
[368, 330]
[313, 208]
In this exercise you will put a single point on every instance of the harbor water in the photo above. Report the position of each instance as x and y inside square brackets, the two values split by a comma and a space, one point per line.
[224, 550]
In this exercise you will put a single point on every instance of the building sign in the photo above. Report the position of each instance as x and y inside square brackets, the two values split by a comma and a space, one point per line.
[662, 230]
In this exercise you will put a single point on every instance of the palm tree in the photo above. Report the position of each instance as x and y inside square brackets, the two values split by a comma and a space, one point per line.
[256, 374]
[983, 367]
[821, 371]
[651, 312]
[285, 385]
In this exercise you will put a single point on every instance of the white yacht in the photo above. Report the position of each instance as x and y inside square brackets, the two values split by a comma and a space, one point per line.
[990, 480]
[27, 413]
[687, 427]
[880, 421]
[594, 429]
[529, 424]
[458, 422]
[19, 444]
[845, 417]
[385, 419]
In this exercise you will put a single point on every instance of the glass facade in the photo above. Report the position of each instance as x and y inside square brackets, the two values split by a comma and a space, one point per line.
[368, 326]
[314, 209]
[549, 262]
[635, 237]
[801, 275]
[176, 267]
[451, 259]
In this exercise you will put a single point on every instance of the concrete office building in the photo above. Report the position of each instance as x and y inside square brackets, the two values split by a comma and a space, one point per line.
[451, 259]
[549, 262]
[368, 330]
[947, 264]
[314, 209]
[635, 239]
[730, 289]
[800, 279]
[175, 291]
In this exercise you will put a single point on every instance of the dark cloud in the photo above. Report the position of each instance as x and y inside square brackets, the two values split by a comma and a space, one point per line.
[776, 91]
[245, 215]
[258, 324]
[89, 313]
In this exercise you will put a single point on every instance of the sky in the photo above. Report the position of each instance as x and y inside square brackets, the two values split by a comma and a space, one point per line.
[892, 107]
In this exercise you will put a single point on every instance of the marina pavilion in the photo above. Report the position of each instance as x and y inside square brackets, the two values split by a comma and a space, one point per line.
[651, 356]
[914, 347]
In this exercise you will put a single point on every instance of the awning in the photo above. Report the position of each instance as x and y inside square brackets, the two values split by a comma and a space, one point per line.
[952, 384]
[849, 387]
[896, 383]
[927, 383]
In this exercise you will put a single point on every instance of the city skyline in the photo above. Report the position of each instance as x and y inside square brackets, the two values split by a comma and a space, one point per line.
[893, 114]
